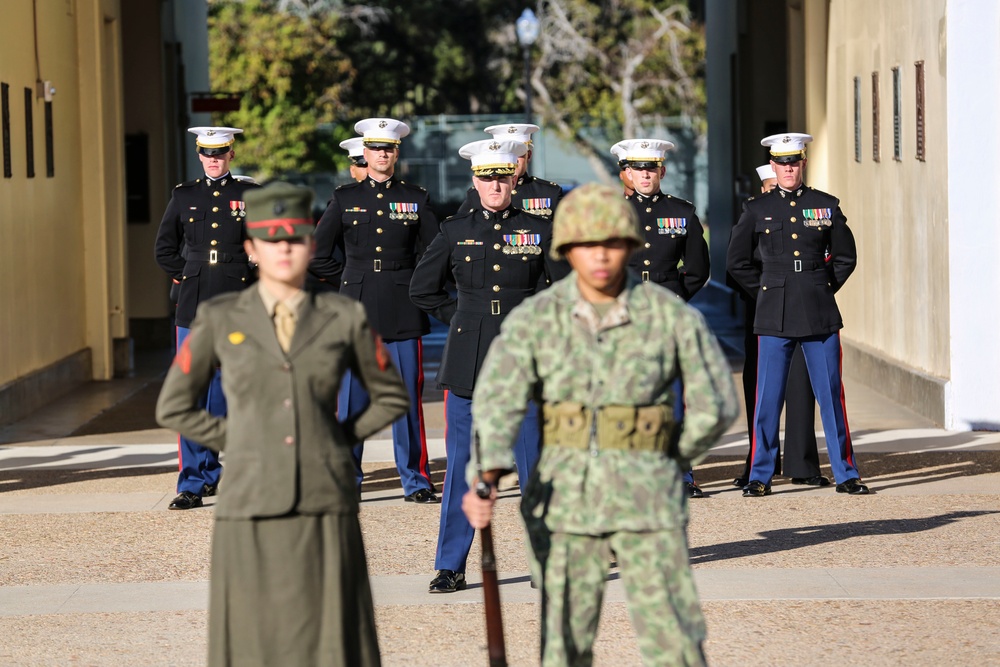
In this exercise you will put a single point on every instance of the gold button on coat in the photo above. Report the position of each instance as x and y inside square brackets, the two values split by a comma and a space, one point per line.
[793, 218]
[468, 259]
[645, 262]
[496, 267]
[496, 246]
[378, 231]
[795, 236]
[378, 248]
[796, 253]
[497, 226]
[215, 194]
[215, 225]
[648, 245]
[496, 288]
[214, 242]
[378, 212]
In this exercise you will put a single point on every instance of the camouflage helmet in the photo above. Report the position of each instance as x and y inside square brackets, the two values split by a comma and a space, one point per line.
[593, 213]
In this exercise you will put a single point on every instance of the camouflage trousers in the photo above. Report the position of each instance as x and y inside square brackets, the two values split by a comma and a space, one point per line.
[662, 599]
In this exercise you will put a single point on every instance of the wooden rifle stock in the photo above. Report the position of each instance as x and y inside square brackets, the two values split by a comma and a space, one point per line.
[491, 587]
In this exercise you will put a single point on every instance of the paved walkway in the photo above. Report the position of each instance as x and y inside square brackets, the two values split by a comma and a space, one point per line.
[95, 571]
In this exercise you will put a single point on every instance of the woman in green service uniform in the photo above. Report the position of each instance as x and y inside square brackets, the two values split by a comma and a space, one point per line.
[289, 583]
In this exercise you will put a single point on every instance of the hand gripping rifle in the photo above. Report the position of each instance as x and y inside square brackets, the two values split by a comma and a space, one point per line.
[491, 587]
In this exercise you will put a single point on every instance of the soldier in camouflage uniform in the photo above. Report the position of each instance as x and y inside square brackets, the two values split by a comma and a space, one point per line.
[601, 351]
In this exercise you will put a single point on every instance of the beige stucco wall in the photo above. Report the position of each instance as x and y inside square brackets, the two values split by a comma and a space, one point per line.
[61, 270]
[897, 301]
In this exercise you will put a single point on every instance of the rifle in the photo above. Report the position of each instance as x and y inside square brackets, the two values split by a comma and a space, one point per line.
[491, 587]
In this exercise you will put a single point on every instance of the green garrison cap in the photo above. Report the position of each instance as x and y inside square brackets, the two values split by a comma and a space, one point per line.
[278, 211]
[593, 213]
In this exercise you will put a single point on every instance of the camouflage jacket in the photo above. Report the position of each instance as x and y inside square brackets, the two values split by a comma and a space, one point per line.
[553, 348]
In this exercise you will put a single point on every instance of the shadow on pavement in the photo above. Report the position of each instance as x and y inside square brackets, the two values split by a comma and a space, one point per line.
[18, 480]
[786, 539]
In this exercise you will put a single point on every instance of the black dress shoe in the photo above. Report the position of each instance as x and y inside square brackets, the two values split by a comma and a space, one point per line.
[447, 581]
[185, 500]
[756, 489]
[422, 496]
[815, 480]
[209, 490]
[741, 481]
[853, 487]
[694, 491]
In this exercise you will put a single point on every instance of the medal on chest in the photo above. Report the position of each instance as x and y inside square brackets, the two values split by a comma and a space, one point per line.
[537, 205]
[522, 243]
[403, 211]
[817, 217]
[671, 226]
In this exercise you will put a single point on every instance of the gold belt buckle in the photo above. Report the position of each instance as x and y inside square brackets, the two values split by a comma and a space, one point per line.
[213, 256]
[378, 266]
[645, 276]
[495, 307]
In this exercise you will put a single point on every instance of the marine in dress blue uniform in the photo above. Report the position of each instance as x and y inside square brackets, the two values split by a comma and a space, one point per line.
[382, 224]
[497, 256]
[533, 195]
[618, 150]
[355, 147]
[806, 253]
[672, 233]
[199, 244]
[801, 457]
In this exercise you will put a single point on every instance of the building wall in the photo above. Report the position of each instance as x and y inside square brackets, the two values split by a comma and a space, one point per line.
[972, 34]
[60, 261]
[897, 302]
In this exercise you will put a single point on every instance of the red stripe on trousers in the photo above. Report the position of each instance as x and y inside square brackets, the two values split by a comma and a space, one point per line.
[849, 454]
[177, 346]
[753, 427]
[420, 411]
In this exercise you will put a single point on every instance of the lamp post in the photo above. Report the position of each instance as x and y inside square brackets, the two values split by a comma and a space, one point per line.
[527, 33]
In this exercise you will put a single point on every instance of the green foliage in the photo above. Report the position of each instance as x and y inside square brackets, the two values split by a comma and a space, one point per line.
[308, 69]
[293, 78]
[607, 63]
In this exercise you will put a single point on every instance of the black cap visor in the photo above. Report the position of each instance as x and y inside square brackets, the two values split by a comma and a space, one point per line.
[216, 151]
[787, 159]
[643, 164]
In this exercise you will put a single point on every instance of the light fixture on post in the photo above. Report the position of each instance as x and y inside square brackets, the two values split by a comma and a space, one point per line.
[527, 33]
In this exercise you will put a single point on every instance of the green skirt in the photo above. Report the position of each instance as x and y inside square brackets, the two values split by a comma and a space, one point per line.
[290, 591]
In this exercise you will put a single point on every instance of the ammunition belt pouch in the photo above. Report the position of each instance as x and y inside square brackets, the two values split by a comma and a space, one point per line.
[623, 427]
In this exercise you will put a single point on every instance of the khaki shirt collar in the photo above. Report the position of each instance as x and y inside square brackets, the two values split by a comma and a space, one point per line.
[270, 301]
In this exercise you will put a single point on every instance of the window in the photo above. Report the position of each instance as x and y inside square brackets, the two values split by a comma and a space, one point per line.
[8, 172]
[857, 119]
[29, 130]
[919, 86]
[897, 113]
[50, 154]
[876, 156]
